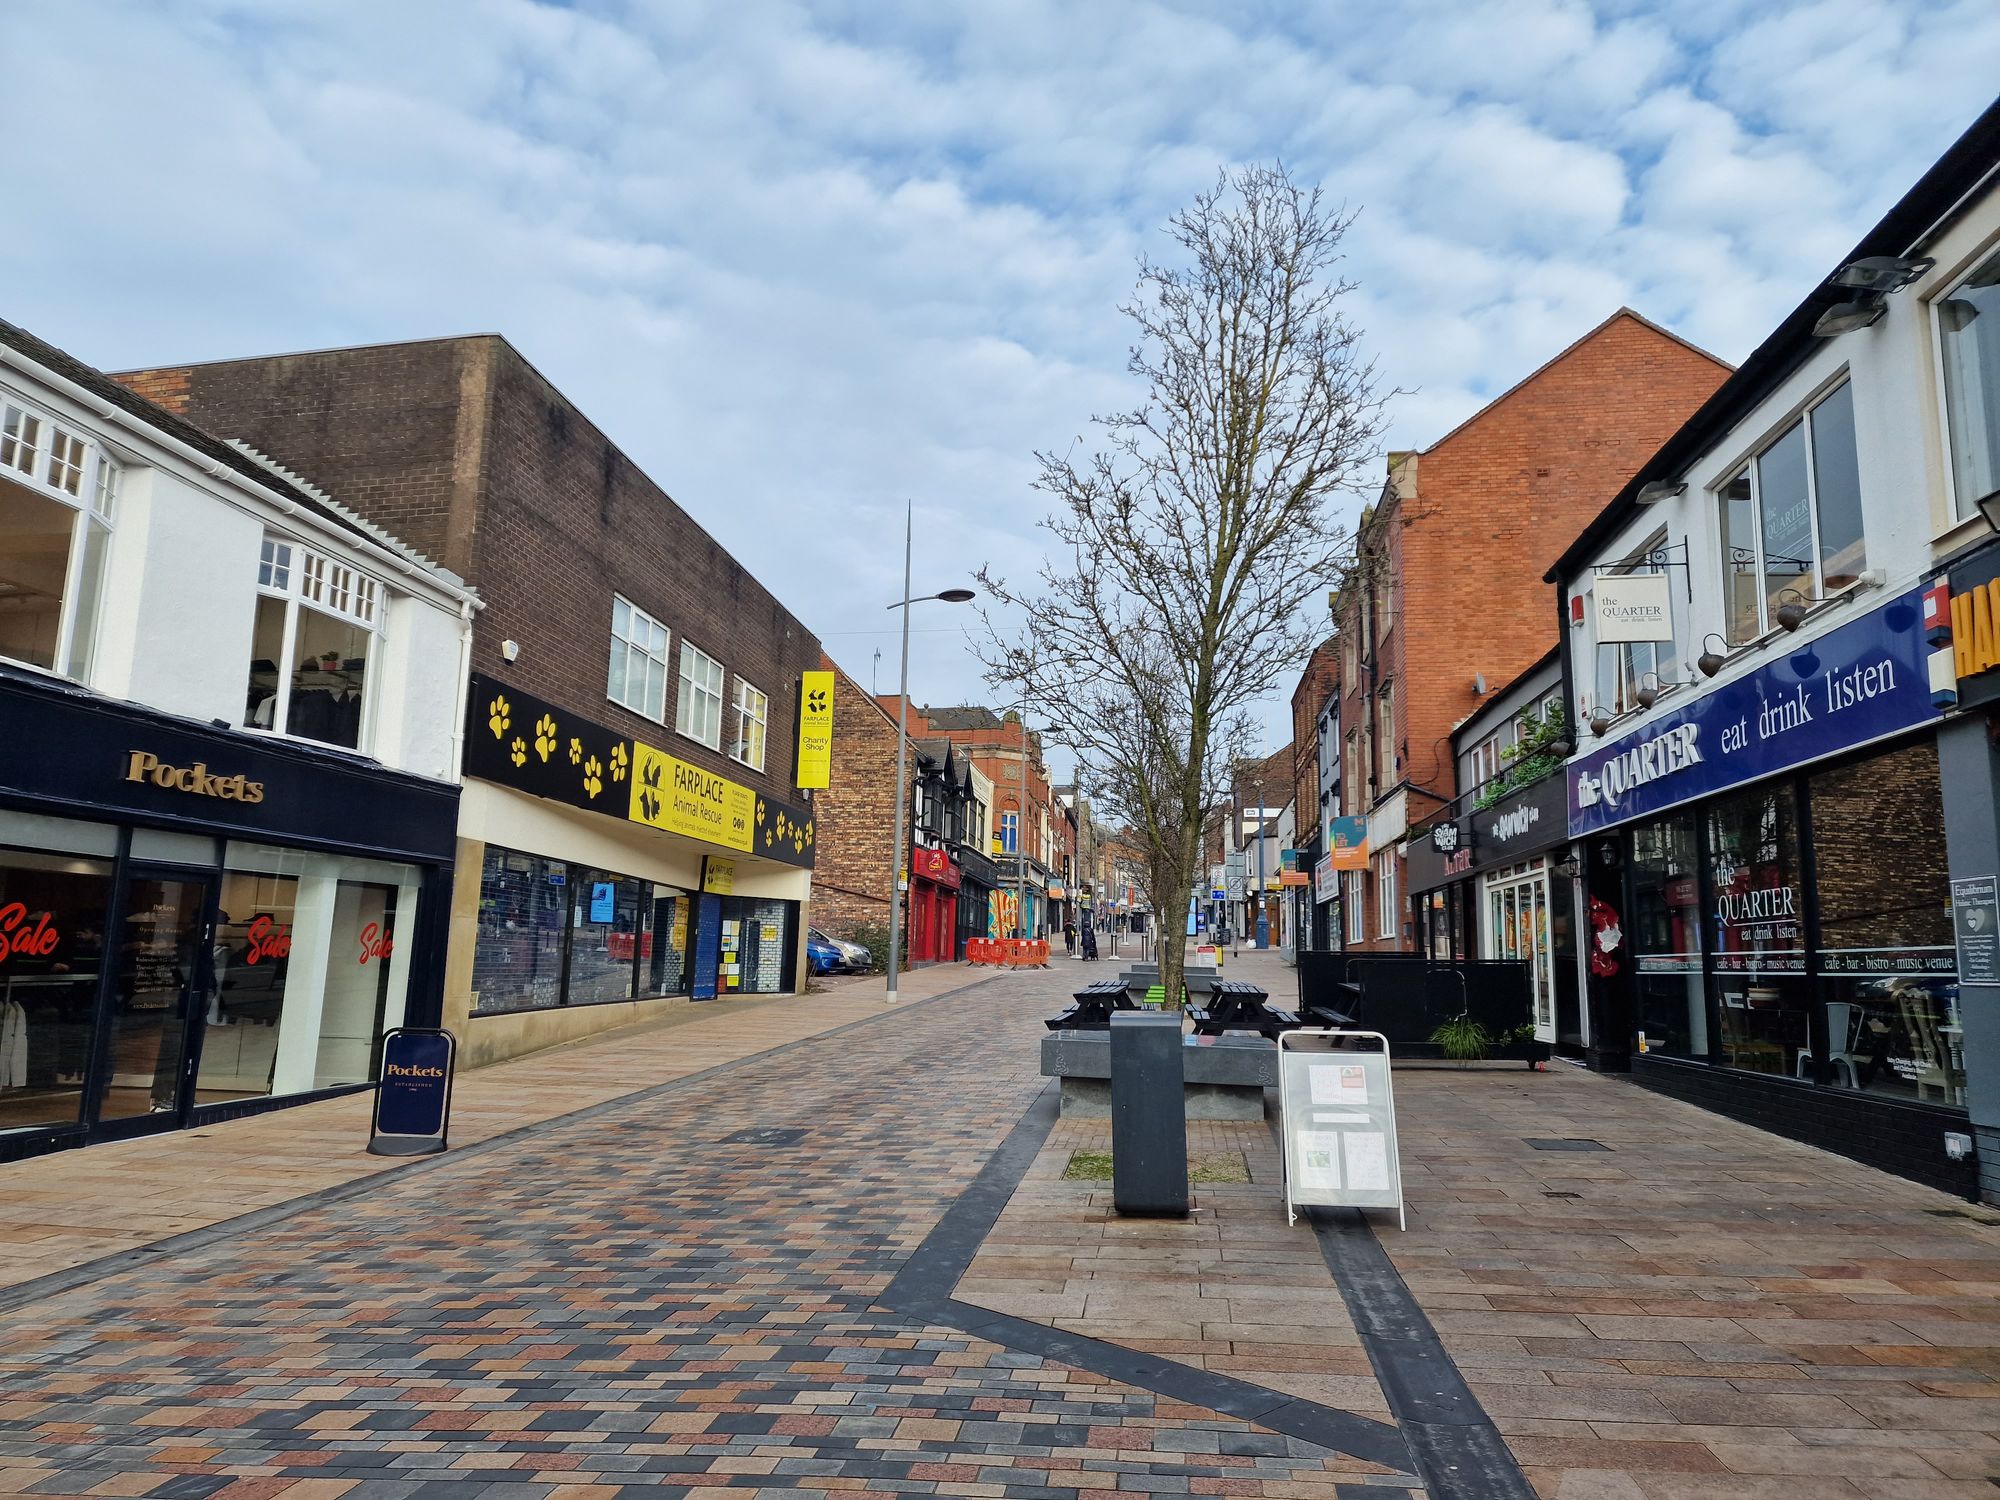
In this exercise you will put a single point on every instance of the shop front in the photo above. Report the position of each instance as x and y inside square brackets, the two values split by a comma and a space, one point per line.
[610, 876]
[979, 878]
[1492, 883]
[200, 923]
[933, 907]
[1770, 902]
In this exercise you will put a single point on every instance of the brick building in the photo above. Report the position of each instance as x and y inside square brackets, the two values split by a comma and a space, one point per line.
[629, 830]
[1315, 746]
[1445, 603]
[855, 814]
[1260, 792]
[1032, 838]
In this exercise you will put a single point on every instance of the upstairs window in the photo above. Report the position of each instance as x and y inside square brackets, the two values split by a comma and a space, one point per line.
[316, 627]
[1485, 761]
[56, 497]
[1969, 350]
[752, 711]
[700, 714]
[1010, 832]
[638, 660]
[1385, 731]
[1791, 519]
[1625, 667]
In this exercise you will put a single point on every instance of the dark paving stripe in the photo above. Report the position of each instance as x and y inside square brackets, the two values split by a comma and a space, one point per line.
[37, 1289]
[922, 1289]
[1458, 1450]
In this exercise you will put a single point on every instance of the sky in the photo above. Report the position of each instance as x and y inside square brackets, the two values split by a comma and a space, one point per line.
[807, 263]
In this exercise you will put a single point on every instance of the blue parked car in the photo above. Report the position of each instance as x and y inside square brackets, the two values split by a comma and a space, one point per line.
[822, 957]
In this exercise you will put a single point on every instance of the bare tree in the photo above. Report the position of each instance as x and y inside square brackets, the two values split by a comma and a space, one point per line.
[1196, 543]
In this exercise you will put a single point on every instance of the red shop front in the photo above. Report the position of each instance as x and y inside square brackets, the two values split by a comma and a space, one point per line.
[934, 881]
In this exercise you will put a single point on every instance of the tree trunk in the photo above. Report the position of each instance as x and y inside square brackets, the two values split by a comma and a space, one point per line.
[1171, 910]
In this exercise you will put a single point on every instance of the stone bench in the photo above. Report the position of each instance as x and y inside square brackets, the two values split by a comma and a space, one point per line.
[1224, 1076]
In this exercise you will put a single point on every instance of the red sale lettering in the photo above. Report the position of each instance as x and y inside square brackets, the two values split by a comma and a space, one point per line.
[375, 943]
[267, 940]
[17, 939]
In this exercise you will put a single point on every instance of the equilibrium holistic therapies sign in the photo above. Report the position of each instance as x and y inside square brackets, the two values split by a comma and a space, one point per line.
[1857, 683]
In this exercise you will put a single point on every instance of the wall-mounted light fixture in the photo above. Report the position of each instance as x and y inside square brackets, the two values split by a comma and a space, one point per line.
[1845, 317]
[1881, 273]
[1568, 867]
[1710, 662]
[1793, 607]
[1648, 690]
[1600, 720]
[1658, 490]
[1989, 507]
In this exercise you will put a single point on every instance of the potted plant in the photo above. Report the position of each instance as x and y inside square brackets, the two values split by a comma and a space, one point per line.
[1463, 1039]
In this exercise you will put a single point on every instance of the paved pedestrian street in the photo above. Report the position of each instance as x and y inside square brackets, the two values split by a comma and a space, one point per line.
[851, 1263]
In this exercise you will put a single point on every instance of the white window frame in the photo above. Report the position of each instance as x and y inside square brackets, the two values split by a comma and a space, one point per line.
[306, 578]
[636, 638]
[1385, 729]
[38, 464]
[1385, 894]
[1802, 419]
[1356, 900]
[1010, 831]
[702, 694]
[1485, 761]
[1625, 666]
[1962, 507]
[748, 713]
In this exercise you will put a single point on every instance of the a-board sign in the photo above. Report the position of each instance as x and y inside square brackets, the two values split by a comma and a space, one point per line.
[1337, 1113]
[413, 1098]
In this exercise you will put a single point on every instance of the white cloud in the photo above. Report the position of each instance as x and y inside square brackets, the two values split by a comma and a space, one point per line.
[804, 261]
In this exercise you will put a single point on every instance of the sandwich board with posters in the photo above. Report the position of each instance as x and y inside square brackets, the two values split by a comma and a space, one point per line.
[1337, 1115]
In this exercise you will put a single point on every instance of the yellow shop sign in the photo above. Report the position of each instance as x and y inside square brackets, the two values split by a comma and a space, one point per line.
[682, 798]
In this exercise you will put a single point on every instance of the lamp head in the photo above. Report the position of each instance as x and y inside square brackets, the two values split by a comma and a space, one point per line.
[1712, 661]
[1792, 608]
[956, 596]
[1881, 273]
[1845, 317]
[1658, 490]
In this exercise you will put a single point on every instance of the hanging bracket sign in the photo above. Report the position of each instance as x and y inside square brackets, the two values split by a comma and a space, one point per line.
[1337, 1115]
[413, 1098]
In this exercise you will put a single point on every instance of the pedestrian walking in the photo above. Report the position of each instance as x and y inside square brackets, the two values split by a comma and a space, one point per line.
[1090, 943]
[1069, 938]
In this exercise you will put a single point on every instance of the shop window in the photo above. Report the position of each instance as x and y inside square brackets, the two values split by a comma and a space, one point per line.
[699, 716]
[1969, 350]
[1890, 989]
[606, 927]
[53, 546]
[523, 907]
[311, 640]
[669, 932]
[1758, 928]
[53, 914]
[1517, 927]
[1664, 934]
[310, 966]
[756, 936]
[638, 660]
[752, 710]
[1791, 519]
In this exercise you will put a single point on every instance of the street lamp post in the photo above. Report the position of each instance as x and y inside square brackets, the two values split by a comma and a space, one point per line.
[899, 855]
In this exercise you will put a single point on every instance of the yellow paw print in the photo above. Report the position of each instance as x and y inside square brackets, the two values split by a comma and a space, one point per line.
[545, 737]
[519, 751]
[760, 809]
[593, 776]
[809, 835]
[497, 719]
[781, 825]
[619, 760]
[575, 751]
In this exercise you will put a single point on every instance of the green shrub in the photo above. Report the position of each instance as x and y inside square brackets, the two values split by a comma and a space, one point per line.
[1463, 1039]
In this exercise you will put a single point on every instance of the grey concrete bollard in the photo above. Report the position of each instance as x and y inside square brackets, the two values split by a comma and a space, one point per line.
[1148, 1115]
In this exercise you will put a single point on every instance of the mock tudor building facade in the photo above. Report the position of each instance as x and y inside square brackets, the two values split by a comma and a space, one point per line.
[630, 830]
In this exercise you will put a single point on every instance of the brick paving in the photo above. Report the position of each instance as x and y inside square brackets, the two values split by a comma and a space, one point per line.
[1704, 1310]
[75, 1207]
[628, 1304]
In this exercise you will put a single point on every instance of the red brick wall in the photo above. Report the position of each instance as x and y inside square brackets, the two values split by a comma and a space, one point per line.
[1322, 673]
[856, 814]
[1495, 502]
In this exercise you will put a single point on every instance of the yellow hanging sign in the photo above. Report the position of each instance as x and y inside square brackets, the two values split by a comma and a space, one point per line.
[718, 876]
[815, 729]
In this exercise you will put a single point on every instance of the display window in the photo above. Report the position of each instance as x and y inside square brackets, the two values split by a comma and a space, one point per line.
[1757, 924]
[1890, 990]
[553, 933]
[53, 914]
[756, 942]
[1518, 911]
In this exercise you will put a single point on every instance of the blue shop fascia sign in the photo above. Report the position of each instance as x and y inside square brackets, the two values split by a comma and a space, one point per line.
[1857, 683]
